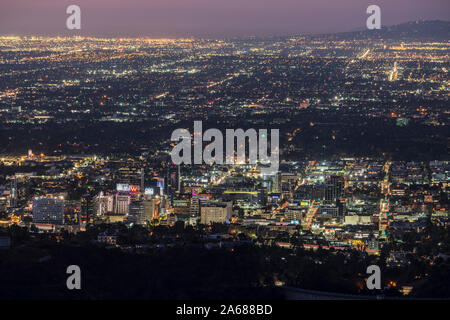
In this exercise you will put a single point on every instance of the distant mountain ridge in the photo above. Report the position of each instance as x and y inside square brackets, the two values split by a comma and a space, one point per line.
[435, 30]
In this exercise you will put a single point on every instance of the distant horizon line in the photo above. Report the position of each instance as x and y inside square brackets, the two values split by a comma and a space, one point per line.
[193, 37]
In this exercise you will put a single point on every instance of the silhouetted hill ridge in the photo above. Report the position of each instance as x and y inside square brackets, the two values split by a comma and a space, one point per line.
[415, 30]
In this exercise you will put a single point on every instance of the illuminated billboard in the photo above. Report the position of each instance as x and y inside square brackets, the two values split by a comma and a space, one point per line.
[123, 187]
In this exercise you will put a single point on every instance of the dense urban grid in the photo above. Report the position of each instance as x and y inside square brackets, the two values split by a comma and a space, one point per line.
[86, 175]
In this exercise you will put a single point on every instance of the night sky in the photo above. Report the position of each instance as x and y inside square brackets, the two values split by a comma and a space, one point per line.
[209, 18]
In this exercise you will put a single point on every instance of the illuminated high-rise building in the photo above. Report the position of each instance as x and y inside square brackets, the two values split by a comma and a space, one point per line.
[173, 180]
[104, 204]
[334, 188]
[276, 185]
[215, 212]
[122, 204]
[87, 207]
[13, 201]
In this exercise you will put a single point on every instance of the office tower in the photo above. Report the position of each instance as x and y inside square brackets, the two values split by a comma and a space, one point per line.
[173, 181]
[334, 188]
[268, 182]
[136, 211]
[87, 207]
[122, 204]
[104, 204]
[13, 202]
[150, 211]
[276, 185]
[215, 212]
[262, 196]
[48, 210]
[340, 202]
[142, 180]
[132, 175]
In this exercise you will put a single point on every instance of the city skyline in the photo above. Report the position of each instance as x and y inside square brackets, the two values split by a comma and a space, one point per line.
[137, 166]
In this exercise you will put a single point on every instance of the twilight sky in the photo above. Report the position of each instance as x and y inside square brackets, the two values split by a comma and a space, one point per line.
[208, 18]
